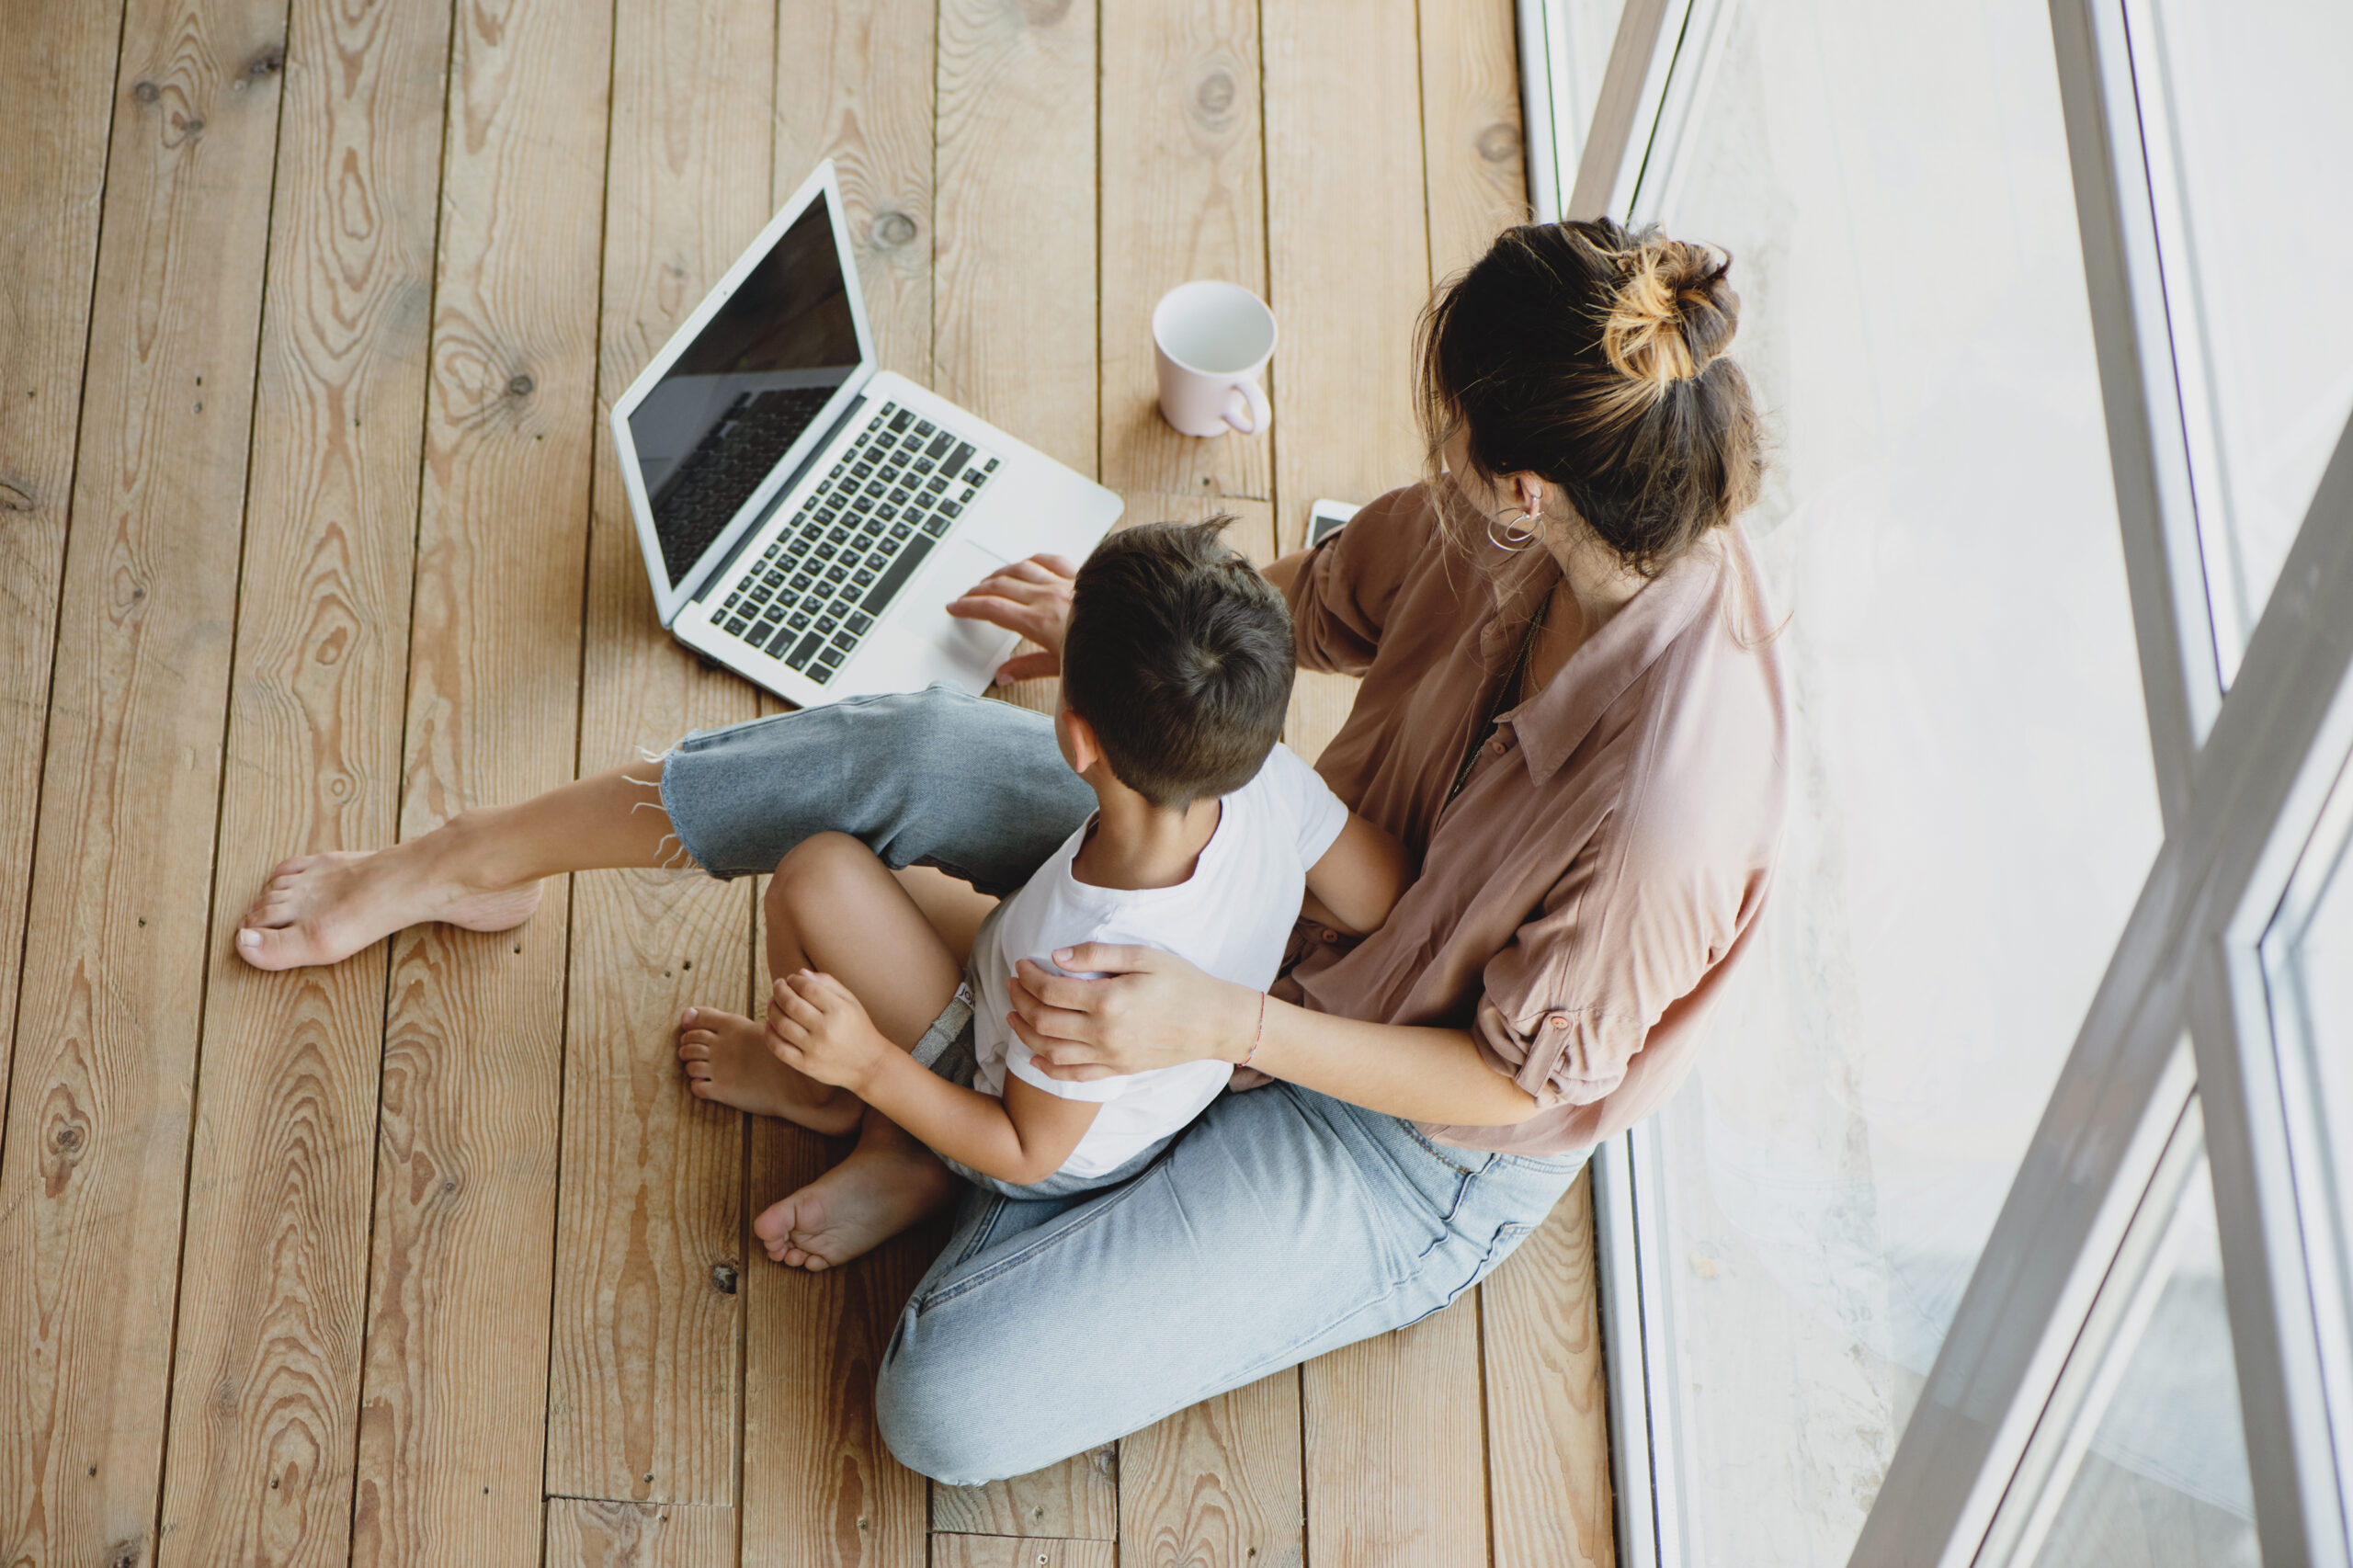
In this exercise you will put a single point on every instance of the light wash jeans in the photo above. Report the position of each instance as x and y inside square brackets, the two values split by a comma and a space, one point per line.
[1281, 1224]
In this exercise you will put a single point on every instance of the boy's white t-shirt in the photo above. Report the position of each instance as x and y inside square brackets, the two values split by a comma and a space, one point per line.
[1230, 917]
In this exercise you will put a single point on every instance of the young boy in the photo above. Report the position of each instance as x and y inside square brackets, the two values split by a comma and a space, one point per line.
[1176, 672]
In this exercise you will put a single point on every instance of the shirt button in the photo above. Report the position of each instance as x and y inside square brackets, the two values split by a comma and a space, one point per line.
[1498, 745]
[1557, 1021]
[1330, 935]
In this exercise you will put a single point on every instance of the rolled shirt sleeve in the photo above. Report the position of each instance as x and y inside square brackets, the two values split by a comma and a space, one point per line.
[1568, 1003]
[1342, 595]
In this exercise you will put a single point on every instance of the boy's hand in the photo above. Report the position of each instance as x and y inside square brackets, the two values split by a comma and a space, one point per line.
[1031, 597]
[816, 1026]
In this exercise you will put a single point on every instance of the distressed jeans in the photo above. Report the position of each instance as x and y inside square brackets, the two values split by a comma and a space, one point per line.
[1281, 1224]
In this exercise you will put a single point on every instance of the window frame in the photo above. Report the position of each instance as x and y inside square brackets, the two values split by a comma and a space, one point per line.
[2243, 778]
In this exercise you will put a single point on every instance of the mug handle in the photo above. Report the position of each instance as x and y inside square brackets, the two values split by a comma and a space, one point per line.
[1262, 413]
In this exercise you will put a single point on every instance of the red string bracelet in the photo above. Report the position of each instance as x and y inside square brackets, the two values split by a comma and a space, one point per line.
[1259, 1035]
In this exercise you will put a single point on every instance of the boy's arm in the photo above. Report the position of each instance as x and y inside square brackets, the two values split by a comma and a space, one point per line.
[819, 1027]
[1022, 1139]
[1358, 881]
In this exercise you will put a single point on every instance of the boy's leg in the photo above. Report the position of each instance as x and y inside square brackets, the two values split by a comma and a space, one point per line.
[954, 909]
[833, 907]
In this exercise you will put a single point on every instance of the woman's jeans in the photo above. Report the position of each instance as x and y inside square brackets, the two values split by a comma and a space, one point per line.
[1281, 1224]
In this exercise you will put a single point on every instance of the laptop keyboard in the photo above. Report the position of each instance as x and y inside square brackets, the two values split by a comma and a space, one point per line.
[829, 574]
[726, 466]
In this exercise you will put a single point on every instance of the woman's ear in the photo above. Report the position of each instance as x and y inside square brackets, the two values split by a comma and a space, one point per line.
[1530, 492]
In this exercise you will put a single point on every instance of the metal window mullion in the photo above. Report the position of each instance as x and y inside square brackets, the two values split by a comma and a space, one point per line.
[2103, 1351]
[1542, 61]
[1625, 110]
[2139, 393]
[1633, 1331]
[2099, 1146]
[2260, 786]
[1637, 1331]
[2273, 1338]
[2298, 668]
[1697, 59]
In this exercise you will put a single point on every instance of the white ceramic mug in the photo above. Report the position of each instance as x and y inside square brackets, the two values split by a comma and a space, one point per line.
[1212, 339]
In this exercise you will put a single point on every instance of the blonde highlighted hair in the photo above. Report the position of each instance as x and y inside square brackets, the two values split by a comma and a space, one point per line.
[1594, 357]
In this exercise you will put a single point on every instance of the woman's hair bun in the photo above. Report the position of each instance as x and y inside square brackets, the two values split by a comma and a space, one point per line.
[1673, 311]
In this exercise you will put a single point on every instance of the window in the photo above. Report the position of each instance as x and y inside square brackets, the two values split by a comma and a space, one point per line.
[2008, 1218]
[1563, 52]
[2161, 1475]
[1966, 711]
[2308, 962]
[2248, 122]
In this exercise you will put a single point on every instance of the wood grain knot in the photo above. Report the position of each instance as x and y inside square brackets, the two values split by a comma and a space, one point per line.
[14, 500]
[893, 230]
[127, 1553]
[268, 62]
[1214, 93]
[521, 387]
[724, 1277]
[1499, 143]
[1042, 13]
[146, 92]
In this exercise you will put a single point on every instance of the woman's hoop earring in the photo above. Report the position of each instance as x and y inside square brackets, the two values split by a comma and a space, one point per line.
[1515, 538]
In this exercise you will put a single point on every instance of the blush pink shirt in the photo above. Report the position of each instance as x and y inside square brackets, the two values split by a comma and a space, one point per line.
[1583, 902]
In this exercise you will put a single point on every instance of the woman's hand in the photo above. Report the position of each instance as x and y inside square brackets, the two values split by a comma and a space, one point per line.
[1031, 597]
[1152, 1009]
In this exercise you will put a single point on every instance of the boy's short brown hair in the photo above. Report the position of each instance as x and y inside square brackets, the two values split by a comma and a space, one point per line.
[1179, 656]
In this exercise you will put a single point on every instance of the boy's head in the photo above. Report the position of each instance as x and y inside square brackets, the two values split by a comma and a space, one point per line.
[1179, 659]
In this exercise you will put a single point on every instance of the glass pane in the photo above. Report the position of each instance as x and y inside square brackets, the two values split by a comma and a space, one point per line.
[1973, 807]
[2320, 968]
[2249, 107]
[2309, 956]
[2164, 1483]
[1588, 28]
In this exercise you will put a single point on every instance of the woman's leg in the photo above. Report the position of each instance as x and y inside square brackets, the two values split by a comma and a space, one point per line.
[480, 869]
[1281, 1225]
[934, 778]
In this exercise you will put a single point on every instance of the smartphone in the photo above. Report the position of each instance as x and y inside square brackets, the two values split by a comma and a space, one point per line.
[1324, 521]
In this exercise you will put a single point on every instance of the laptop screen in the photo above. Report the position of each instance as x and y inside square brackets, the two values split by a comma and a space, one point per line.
[744, 389]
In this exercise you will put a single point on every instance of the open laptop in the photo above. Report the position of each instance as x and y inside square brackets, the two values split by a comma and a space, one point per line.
[805, 516]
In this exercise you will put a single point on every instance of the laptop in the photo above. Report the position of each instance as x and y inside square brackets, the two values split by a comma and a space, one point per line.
[805, 515]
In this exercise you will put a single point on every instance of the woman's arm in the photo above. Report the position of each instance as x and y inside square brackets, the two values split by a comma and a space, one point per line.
[1282, 572]
[1156, 1010]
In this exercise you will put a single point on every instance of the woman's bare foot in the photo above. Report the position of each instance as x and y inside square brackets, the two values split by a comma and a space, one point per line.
[864, 1202]
[728, 1060]
[321, 909]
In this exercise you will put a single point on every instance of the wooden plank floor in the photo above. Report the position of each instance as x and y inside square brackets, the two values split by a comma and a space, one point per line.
[310, 535]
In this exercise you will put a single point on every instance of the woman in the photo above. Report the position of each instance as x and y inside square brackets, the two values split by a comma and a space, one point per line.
[1570, 711]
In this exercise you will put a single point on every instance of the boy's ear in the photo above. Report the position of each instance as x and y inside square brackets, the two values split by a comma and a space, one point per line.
[1078, 739]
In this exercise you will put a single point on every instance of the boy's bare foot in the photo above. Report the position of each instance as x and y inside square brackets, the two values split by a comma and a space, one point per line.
[728, 1060]
[320, 909]
[860, 1204]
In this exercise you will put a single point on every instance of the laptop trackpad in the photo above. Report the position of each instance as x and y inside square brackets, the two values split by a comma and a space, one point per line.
[975, 645]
